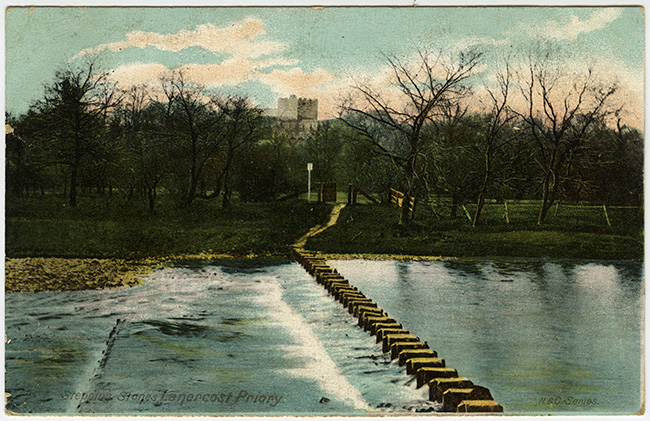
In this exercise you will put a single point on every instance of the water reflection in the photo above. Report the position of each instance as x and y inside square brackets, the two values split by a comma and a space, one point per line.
[526, 330]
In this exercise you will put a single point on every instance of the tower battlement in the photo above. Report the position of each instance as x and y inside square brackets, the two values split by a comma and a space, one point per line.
[294, 108]
[296, 117]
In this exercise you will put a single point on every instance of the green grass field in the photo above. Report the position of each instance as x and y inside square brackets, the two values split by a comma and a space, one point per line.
[574, 232]
[101, 228]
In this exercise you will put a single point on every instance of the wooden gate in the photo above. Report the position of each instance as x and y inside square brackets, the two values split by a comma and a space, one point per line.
[327, 192]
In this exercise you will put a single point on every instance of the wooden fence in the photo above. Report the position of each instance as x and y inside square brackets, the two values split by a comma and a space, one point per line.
[397, 197]
[526, 211]
[355, 191]
[327, 192]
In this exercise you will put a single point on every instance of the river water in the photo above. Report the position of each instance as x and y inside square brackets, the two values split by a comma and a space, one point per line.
[259, 338]
[559, 337]
[228, 338]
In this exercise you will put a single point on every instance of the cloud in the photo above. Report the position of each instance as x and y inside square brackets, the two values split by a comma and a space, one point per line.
[248, 59]
[138, 74]
[570, 31]
[295, 81]
[237, 38]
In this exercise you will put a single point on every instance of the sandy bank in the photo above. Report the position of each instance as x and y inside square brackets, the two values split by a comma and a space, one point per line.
[33, 274]
[370, 256]
[56, 274]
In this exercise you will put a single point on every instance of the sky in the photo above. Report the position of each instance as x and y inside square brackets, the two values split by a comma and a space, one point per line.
[270, 52]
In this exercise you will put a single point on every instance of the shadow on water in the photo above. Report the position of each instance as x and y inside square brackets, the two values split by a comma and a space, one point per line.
[247, 266]
[177, 329]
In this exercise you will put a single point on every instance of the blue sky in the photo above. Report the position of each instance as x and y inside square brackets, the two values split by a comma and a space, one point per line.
[271, 52]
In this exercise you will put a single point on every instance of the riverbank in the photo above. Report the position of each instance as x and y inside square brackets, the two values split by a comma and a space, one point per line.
[363, 229]
[104, 247]
[37, 274]
[34, 274]
[99, 228]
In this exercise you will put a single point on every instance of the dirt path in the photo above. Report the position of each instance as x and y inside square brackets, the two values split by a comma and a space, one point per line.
[334, 216]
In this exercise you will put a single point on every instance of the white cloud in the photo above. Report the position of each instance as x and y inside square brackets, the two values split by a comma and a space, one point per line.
[237, 38]
[139, 74]
[570, 31]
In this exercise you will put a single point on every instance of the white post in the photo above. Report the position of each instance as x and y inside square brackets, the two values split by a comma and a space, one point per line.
[310, 166]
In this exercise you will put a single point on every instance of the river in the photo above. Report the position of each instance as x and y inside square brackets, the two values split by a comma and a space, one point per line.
[559, 337]
[258, 338]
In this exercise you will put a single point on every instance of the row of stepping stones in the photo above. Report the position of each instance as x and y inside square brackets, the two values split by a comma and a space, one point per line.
[457, 394]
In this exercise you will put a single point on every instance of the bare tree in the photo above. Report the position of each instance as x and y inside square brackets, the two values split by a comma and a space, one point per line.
[147, 153]
[242, 125]
[493, 140]
[189, 121]
[561, 106]
[76, 107]
[393, 126]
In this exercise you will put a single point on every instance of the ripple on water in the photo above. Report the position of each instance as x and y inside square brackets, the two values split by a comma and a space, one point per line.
[267, 336]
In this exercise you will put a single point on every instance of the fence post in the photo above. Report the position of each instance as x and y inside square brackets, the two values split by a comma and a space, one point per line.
[350, 194]
[466, 212]
[606, 216]
[557, 205]
[507, 214]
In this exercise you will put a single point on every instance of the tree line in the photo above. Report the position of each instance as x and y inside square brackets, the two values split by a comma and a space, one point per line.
[534, 131]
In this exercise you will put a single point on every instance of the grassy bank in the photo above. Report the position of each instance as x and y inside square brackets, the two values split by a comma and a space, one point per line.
[105, 243]
[101, 227]
[373, 229]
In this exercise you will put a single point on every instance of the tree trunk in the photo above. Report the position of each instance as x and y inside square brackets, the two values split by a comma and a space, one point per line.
[152, 199]
[454, 207]
[479, 207]
[191, 194]
[226, 192]
[484, 186]
[546, 197]
[73, 187]
[404, 217]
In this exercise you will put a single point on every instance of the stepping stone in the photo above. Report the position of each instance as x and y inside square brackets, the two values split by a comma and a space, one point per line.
[452, 397]
[367, 310]
[398, 347]
[367, 323]
[426, 374]
[346, 298]
[438, 386]
[479, 406]
[414, 364]
[392, 338]
[382, 332]
[358, 301]
[407, 354]
[377, 326]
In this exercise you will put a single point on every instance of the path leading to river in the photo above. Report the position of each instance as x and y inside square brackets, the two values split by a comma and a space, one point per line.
[334, 217]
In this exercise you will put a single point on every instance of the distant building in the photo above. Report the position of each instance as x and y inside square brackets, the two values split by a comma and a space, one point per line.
[296, 117]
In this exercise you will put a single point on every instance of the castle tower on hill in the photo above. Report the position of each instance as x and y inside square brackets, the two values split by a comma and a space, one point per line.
[296, 117]
[294, 108]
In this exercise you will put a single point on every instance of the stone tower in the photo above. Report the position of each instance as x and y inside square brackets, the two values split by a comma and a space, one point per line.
[296, 117]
